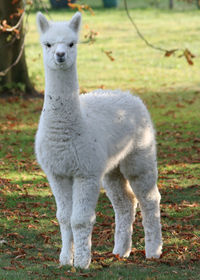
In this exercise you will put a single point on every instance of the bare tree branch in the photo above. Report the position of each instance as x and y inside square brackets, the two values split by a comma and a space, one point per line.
[168, 52]
[13, 28]
[4, 72]
[140, 34]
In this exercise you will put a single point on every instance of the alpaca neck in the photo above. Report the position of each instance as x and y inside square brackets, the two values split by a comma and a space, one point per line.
[61, 82]
[61, 94]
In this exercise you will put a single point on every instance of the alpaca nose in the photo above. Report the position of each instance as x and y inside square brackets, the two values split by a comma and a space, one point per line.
[60, 56]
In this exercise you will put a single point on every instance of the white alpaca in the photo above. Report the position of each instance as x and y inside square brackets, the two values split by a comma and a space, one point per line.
[82, 141]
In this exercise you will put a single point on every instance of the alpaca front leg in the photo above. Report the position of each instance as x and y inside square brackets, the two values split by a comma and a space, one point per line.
[85, 195]
[62, 190]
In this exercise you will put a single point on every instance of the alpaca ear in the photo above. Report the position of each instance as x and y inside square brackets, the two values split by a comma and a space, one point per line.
[75, 22]
[42, 23]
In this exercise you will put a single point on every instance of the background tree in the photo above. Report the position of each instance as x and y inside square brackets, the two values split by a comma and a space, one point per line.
[171, 4]
[13, 68]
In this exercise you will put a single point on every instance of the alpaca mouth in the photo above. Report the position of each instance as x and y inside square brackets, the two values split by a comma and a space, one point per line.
[60, 60]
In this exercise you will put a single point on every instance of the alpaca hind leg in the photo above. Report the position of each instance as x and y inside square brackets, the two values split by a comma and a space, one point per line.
[124, 203]
[85, 195]
[62, 190]
[150, 206]
[143, 182]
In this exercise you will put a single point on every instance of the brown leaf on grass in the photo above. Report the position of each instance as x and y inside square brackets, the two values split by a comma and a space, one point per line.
[46, 258]
[29, 246]
[170, 52]
[91, 36]
[179, 105]
[32, 258]
[11, 117]
[12, 267]
[20, 257]
[45, 237]
[18, 263]
[117, 256]
[32, 226]
[54, 222]
[103, 264]
[27, 195]
[22, 205]
[196, 140]
[109, 55]
[86, 275]
[188, 56]
[15, 235]
[19, 252]
[9, 155]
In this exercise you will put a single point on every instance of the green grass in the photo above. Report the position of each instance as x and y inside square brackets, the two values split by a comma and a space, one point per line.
[136, 66]
[170, 88]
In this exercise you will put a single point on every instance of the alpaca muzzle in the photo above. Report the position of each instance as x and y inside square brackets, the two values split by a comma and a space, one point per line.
[60, 57]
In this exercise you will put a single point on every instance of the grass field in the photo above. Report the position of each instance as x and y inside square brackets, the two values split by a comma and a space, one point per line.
[29, 233]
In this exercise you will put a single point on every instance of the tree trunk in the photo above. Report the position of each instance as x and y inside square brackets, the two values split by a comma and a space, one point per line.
[10, 48]
[171, 4]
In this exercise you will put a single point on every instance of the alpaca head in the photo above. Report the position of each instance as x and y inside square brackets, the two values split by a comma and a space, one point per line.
[59, 40]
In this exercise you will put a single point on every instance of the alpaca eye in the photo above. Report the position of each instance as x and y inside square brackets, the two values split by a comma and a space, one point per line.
[71, 44]
[48, 45]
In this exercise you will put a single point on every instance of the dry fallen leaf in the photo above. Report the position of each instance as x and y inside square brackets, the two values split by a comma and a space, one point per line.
[12, 267]
[170, 52]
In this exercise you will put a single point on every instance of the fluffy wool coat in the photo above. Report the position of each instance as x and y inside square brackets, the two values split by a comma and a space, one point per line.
[103, 137]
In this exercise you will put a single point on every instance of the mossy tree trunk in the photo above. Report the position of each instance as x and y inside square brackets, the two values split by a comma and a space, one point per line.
[10, 48]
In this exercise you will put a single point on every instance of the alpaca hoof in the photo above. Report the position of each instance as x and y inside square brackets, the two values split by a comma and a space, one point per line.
[122, 253]
[82, 263]
[152, 257]
[154, 254]
[64, 260]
